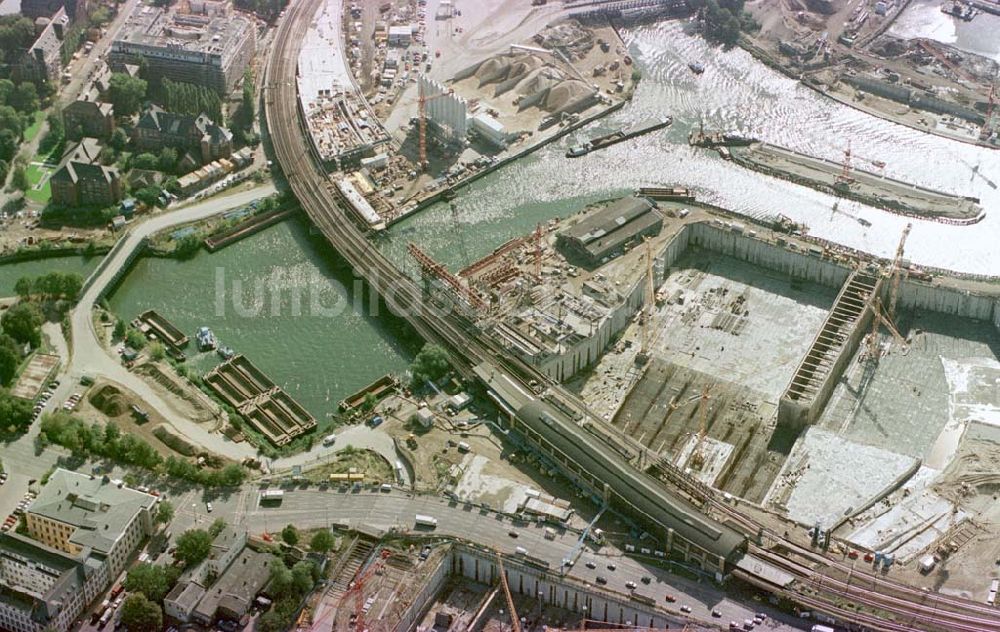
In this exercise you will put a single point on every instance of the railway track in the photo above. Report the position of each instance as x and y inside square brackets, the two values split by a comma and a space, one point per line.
[307, 179]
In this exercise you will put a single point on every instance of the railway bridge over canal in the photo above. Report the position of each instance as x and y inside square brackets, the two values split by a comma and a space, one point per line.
[688, 515]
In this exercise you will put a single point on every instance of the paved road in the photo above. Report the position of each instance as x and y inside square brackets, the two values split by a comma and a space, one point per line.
[88, 355]
[359, 436]
[375, 511]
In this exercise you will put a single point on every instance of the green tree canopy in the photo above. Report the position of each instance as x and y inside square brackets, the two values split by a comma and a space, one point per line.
[19, 178]
[119, 139]
[126, 93]
[145, 160]
[151, 580]
[23, 323]
[193, 546]
[431, 364]
[15, 413]
[9, 361]
[322, 541]
[25, 98]
[217, 527]
[139, 614]
[281, 579]
[165, 510]
[290, 535]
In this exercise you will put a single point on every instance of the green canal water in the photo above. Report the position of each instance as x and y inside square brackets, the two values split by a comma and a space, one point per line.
[11, 272]
[287, 302]
[321, 357]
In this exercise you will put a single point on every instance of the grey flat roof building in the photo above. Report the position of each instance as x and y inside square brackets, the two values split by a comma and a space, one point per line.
[211, 48]
[607, 233]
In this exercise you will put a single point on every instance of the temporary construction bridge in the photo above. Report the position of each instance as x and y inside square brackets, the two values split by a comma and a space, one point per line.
[265, 405]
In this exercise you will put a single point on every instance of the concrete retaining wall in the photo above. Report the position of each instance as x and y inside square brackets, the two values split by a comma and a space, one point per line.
[947, 300]
[481, 566]
[742, 244]
[587, 351]
[425, 598]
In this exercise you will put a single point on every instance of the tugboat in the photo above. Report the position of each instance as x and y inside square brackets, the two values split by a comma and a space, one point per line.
[696, 67]
[225, 352]
[206, 339]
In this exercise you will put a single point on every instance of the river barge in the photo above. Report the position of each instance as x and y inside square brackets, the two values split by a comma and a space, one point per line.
[668, 194]
[869, 188]
[617, 136]
[156, 327]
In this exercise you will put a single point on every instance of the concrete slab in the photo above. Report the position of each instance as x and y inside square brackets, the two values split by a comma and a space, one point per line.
[828, 477]
[911, 526]
[917, 401]
[740, 323]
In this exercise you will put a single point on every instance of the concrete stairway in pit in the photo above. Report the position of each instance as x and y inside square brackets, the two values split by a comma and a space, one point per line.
[831, 350]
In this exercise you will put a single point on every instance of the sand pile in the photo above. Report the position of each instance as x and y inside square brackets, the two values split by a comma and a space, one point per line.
[564, 93]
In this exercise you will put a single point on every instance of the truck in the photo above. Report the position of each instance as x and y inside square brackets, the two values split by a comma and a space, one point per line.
[272, 496]
[550, 533]
[822, 628]
[329, 440]
[425, 521]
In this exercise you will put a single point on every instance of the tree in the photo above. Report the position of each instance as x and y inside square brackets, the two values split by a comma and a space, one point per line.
[281, 579]
[19, 178]
[431, 364]
[8, 142]
[23, 323]
[322, 541]
[135, 339]
[147, 195]
[145, 160]
[217, 527]
[9, 360]
[24, 287]
[119, 331]
[231, 476]
[164, 512]
[15, 413]
[119, 139]
[290, 535]
[139, 614]
[153, 581]
[55, 121]
[302, 577]
[127, 93]
[168, 159]
[157, 351]
[25, 98]
[247, 108]
[193, 546]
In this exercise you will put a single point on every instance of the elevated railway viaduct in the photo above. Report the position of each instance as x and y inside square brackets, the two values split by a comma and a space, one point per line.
[574, 441]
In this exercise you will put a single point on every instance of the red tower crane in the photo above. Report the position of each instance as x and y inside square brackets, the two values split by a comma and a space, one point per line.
[435, 269]
[356, 589]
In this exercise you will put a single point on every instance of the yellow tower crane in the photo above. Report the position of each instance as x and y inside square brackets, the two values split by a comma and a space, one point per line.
[697, 456]
[646, 316]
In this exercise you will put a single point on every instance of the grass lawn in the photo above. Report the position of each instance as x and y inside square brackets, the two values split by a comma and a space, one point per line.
[32, 130]
[35, 193]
